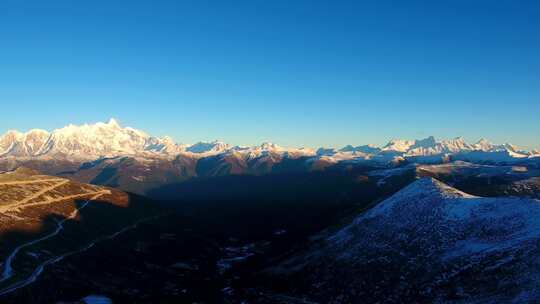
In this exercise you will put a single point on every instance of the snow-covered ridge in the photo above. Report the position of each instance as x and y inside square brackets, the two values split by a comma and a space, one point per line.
[427, 201]
[428, 150]
[435, 230]
[91, 141]
[427, 187]
[85, 141]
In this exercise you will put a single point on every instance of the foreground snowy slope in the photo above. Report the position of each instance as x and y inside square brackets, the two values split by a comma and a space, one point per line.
[428, 242]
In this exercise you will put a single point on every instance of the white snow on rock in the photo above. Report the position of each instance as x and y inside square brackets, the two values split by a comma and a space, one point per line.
[472, 225]
[427, 237]
[91, 141]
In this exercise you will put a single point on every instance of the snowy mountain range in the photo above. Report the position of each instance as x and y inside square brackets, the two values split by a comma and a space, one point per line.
[86, 141]
[109, 140]
[93, 141]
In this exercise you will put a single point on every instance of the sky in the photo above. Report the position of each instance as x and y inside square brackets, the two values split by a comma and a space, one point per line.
[297, 73]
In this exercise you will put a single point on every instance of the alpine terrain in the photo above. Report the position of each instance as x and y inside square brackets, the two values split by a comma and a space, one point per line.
[108, 213]
[429, 242]
[111, 155]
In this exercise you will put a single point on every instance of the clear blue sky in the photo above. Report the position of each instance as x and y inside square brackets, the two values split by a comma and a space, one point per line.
[299, 73]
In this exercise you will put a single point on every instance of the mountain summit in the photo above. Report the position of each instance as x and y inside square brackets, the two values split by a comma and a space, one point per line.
[110, 139]
[92, 141]
[421, 243]
[85, 141]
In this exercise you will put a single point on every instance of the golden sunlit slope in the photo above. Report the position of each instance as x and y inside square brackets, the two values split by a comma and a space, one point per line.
[44, 218]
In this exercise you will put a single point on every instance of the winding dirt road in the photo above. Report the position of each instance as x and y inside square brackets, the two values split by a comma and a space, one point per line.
[8, 270]
[11, 208]
[18, 204]
[34, 181]
[39, 269]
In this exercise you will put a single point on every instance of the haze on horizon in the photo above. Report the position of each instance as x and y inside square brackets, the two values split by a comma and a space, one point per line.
[303, 73]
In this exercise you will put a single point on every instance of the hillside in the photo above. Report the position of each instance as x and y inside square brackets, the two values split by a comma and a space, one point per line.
[44, 219]
[428, 242]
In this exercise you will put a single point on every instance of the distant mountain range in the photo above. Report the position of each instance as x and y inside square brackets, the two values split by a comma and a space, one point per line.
[350, 225]
[84, 142]
[100, 140]
[112, 155]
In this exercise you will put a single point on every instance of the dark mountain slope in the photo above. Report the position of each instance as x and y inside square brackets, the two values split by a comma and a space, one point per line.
[427, 243]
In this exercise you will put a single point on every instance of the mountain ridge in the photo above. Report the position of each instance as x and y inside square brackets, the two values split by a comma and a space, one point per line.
[419, 244]
[112, 155]
[91, 141]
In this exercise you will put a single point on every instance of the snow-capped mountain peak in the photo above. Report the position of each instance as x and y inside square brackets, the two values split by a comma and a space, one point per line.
[113, 123]
[366, 149]
[87, 141]
[483, 145]
[399, 145]
[109, 139]
[426, 142]
[208, 147]
[457, 144]
[426, 187]
[269, 146]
